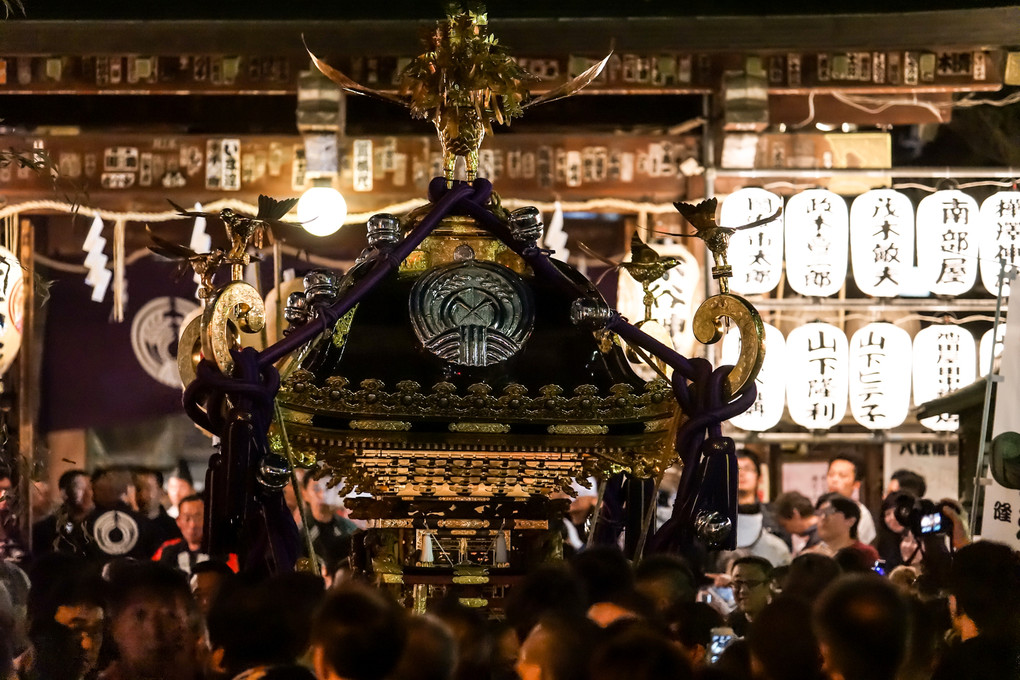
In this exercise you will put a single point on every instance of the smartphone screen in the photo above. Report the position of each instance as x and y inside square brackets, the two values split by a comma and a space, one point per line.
[721, 639]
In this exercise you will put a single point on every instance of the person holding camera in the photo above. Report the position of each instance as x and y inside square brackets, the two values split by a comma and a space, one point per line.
[930, 533]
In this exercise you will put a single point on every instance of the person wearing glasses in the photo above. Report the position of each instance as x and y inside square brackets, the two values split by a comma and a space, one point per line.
[838, 517]
[750, 579]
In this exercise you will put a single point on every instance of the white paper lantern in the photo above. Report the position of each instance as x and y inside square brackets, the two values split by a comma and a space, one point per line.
[817, 242]
[756, 254]
[767, 409]
[947, 242]
[1000, 238]
[985, 347]
[944, 360]
[881, 241]
[880, 358]
[816, 375]
[12, 308]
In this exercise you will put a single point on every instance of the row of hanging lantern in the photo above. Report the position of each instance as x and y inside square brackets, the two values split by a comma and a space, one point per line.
[955, 240]
[817, 372]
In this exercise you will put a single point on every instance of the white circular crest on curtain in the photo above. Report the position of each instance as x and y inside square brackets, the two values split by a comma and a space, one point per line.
[155, 330]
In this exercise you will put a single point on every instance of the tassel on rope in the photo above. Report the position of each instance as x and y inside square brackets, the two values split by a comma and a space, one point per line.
[119, 283]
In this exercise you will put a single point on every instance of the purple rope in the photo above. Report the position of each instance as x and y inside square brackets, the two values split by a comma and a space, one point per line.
[702, 400]
[636, 336]
[698, 388]
[537, 258]
[386, 263]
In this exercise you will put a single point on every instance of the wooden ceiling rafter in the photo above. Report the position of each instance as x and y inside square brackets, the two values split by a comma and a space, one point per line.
[985, 27]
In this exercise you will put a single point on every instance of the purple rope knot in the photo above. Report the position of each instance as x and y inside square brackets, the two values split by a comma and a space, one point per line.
[211, 387]
[482, 190]
[536, 251]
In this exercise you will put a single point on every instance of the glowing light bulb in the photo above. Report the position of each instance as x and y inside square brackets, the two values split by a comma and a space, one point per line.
[322, 210]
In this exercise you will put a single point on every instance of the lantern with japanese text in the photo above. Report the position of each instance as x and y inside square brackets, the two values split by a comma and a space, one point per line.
[817, 242]
[816, 375]
[986, 347]
[12, 308]
[881, 241]
[947, 244]
[767, 409]
[756, 254]
[944, 360]
[1000, 238]
[880, 375]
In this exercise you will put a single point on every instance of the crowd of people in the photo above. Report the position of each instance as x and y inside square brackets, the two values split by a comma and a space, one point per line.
[116, 588]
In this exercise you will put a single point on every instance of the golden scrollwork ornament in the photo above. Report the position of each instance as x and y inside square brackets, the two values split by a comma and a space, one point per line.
[233, 309]
[237, 309]
[709, 320]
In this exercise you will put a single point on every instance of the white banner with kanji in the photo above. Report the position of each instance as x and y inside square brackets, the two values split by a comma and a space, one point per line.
[1000, 519]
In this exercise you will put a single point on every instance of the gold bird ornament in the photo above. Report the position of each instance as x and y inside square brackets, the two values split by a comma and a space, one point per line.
[203, 264]
[245, 231]
[716, 238]
[645, 266]
[462, 83]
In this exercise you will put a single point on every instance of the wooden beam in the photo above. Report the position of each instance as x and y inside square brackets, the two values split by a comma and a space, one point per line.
[139, 172]
[988, 27]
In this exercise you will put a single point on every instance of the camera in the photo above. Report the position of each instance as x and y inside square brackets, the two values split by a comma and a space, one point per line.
[922, 516]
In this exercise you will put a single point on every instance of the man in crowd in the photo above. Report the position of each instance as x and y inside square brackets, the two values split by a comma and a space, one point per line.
[430, 652]
[115, 528]
[153, 624]
[65, 530]
[748, 477]
[12, 548]
[65, 612]
[556, 649]
[908, 481]
[330, 533]
[838, 517]
[862, 623]
[357, 634]
[666, 581]
[984, 586]
[178, 486]
[796, 514]
[748, 490]
[149, 486]
[185, 552]
[207, 579]
[250, 633]
[844, 477]
[751, 580]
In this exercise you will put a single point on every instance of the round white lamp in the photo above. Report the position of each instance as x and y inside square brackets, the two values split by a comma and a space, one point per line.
[322, 210]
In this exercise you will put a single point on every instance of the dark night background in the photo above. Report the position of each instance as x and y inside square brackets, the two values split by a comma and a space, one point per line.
[432, 9]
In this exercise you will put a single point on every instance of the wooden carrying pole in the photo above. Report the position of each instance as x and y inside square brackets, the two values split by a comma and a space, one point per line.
[27, 396]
